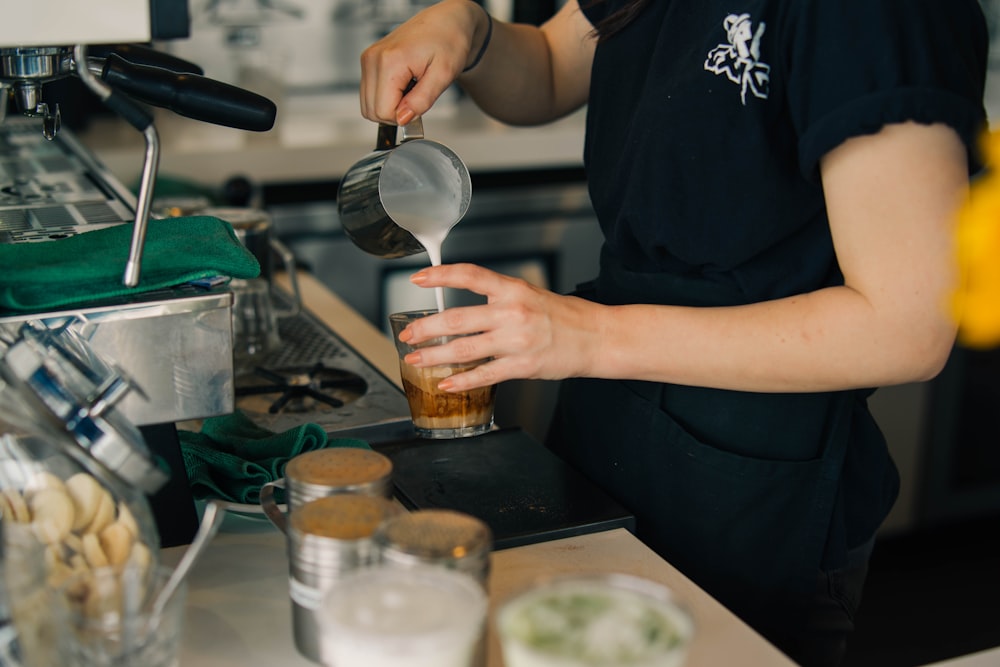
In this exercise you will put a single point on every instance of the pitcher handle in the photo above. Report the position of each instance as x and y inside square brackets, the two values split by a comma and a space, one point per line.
[270, 507]
[386, 138]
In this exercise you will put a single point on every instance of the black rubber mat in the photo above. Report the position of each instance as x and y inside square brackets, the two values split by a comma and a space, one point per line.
[509, 480]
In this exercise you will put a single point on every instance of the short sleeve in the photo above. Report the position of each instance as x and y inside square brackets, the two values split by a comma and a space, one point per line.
[857, 65]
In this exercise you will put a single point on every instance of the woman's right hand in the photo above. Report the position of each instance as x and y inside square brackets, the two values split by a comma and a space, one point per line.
[433, 48]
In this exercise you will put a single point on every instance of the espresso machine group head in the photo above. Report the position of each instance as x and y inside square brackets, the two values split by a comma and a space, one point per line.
[172, 346]
[37, 41]
[101, 42]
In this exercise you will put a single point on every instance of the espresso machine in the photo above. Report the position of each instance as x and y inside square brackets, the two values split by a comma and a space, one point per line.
[165, 356]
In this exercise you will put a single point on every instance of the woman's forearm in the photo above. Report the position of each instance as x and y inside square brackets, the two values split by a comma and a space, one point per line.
[892, 200]
[832, 339]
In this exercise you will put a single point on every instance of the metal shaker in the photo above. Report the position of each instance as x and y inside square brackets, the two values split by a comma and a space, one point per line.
[325, 472]
[254, 228]
[445, 538]
[327, 538]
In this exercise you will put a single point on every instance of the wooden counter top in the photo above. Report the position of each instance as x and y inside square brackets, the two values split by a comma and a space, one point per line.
[239, 613]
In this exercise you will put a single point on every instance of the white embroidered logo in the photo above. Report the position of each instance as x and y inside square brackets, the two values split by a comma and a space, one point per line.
[739, 60]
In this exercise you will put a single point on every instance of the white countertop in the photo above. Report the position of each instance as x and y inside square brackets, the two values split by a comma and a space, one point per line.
[238, 611]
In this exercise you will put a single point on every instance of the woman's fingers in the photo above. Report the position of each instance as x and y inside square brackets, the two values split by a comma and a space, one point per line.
[431, 48]
[523, 331]
[469, 277]
[502, 293]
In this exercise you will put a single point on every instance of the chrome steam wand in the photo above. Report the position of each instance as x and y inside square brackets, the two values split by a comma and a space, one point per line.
[143, 122]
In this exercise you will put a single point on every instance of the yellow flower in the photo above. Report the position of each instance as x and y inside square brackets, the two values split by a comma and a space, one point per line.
[977, 300]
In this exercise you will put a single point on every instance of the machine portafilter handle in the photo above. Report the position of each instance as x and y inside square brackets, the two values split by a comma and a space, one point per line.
[138, 54]
[190, 95]
[119, 82]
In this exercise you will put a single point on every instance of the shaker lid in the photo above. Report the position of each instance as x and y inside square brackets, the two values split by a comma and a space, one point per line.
[341, 468]
[344, 516]
[66, 380]
[435, 535]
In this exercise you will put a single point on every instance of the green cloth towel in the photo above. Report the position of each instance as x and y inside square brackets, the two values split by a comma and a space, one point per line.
[231, 458]
[88, 267]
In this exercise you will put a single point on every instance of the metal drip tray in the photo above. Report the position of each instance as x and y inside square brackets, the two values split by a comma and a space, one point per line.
[315, 376]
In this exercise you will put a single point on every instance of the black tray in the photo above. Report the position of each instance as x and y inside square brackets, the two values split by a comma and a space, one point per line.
[509, 480]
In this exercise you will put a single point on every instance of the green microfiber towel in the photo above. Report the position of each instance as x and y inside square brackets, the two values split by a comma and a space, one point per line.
[231, 458]
[88, 267]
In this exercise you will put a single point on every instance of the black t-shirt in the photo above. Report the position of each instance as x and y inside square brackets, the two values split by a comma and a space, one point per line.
[706, 124]
[707, 120]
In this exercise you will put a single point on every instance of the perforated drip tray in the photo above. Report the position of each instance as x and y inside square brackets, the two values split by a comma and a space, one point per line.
[506, 478]
[53, 189]
[315, 376]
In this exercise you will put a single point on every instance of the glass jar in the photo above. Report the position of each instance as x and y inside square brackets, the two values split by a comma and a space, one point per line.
[73, 478]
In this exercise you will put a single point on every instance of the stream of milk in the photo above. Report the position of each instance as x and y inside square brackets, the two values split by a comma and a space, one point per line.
[429, 219]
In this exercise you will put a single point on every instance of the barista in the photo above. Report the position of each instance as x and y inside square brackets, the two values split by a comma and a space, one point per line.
[776, 182]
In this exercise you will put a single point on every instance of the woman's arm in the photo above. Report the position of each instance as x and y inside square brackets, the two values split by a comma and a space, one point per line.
[892, 198]
[528, 74]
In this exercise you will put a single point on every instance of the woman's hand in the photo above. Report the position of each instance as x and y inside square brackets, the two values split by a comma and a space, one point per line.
[527, 74]
[432, 48]
[527, 332]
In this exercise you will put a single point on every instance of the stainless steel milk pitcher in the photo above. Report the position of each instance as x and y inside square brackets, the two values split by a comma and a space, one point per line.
[414, 174]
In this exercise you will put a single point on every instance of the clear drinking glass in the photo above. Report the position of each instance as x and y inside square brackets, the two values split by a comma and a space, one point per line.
[436, 413]
[255, 323]
[383, 616]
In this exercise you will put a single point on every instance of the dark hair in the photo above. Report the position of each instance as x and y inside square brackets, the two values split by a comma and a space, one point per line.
[618, 19]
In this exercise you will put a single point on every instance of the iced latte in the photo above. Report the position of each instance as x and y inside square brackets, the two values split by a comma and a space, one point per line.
[436, 413]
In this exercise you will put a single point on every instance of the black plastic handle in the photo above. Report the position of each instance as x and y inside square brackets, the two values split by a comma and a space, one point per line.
[138, 54]
[191, 95]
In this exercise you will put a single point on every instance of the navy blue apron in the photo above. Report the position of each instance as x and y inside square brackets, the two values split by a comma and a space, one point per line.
[734, 489]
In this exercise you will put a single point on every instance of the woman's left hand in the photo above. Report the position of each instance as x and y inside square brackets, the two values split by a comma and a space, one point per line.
[526, 332]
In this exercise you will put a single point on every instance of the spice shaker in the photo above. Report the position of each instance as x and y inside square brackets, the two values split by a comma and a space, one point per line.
[445, 538]
[327, 538]
[325, 472]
